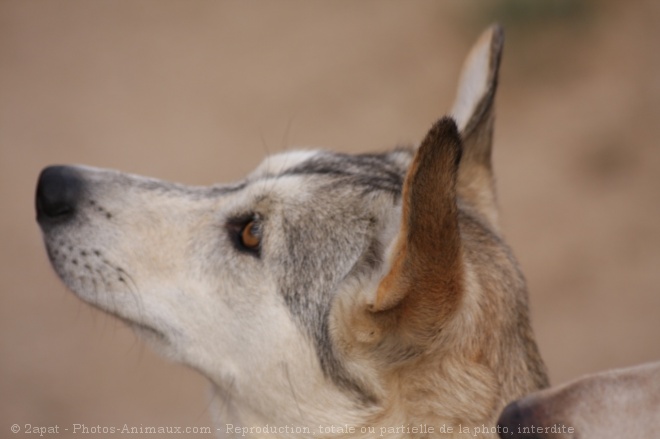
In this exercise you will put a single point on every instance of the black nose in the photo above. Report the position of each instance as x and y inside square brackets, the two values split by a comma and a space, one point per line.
[59, 191]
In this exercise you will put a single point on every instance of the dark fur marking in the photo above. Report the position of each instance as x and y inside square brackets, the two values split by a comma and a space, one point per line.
[373, 172]
[310, 268]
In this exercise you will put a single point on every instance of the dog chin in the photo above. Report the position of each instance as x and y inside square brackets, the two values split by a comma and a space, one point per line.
[153, 337]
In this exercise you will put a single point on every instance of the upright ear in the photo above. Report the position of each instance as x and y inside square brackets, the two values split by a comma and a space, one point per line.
[473, 110]
[424, 284]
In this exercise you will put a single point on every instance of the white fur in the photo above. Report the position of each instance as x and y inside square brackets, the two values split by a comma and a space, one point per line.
[474, 82]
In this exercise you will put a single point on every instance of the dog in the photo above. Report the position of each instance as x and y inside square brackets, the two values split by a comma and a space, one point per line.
[607, 405]
[325, 294]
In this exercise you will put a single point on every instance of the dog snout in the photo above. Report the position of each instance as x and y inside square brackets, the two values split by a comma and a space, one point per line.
[59, 192]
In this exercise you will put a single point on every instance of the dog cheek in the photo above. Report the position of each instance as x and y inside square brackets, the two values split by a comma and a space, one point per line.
[356, 336]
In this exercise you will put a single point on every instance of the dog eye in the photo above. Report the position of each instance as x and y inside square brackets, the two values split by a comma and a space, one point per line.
[245, 233]
[250, 236]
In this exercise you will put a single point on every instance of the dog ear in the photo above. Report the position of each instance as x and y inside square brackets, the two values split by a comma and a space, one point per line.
[473, 110]
[424, 284]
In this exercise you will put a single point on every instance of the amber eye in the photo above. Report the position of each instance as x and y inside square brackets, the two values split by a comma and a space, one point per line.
[250, 236]
[245, 233]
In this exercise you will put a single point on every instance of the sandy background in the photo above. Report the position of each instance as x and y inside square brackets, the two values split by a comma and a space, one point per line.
[198, 92]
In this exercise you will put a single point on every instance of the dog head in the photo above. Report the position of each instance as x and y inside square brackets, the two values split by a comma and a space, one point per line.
[308, 290]
[607, 405]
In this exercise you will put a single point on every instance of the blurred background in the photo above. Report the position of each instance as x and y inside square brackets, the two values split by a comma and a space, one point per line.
[200, 91]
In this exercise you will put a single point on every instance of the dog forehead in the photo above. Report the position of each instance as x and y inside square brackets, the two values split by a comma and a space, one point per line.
[392, 164]
[362, 173]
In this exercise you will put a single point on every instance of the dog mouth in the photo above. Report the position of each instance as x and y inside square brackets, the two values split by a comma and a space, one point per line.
[143, 330]
[153, 336]
[147, 332]
[91, 276]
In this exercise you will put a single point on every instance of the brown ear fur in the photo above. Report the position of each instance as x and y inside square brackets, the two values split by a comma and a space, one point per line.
[424, 284]
[449, 323]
